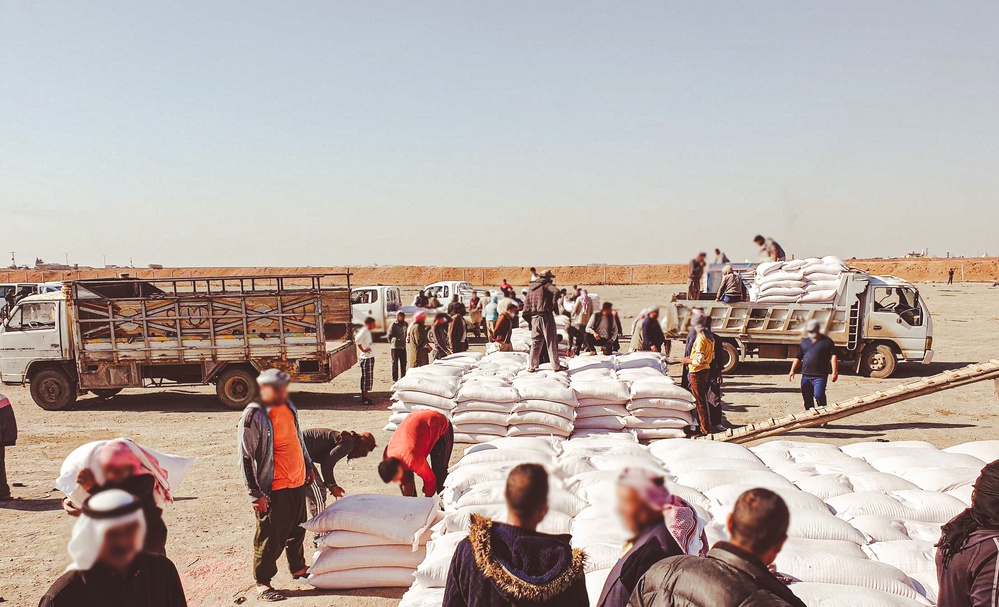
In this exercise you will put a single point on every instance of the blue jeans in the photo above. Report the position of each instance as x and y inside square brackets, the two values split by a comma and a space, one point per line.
[813, 389]
[729, 299]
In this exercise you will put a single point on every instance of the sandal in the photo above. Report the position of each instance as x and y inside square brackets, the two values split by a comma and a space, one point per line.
[270, 596]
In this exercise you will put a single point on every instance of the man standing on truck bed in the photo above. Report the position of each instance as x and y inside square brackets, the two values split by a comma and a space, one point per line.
[540, 302]
[770, 250]
[817, 358]
[694, 275]
[276, 469]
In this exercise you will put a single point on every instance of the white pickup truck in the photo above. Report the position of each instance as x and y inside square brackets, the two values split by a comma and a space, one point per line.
[378, 302]
[446, 289]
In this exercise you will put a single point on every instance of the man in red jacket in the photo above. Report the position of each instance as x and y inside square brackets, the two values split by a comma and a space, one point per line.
[421, 435]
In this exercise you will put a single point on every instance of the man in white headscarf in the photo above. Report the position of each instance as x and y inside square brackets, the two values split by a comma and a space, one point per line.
[109, 568]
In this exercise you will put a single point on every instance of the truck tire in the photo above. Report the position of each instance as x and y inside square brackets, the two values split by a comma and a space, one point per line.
[53, 390]
[105, 393]
[731, 353]
[878, 361]
[236, 388]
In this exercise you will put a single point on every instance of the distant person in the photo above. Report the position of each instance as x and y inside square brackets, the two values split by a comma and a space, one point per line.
[276, 470]
[457, 333]
[720, 257]
[109, 567]
[770, 250]
[636, 330]
[968, 549]
[366, 358]
[689, 347]
[699, 360]
[653, 338]
[695, 274]
[950, 276]
[503, 330]
[124, 465]
[733, 573]
[534, 274]
[505, 286]
[582, 309]
[417, 341]
[423, 435]
[601, 330]
[512, 564]
[8, 438]
[491, 315]
[817, 359]
[475, 307]
[326, 448]
[421, 300]
[731, 288]
[433, 301]
[452, 306]
[439, 336]
[397, 344]
[662, 525]
[541, 302]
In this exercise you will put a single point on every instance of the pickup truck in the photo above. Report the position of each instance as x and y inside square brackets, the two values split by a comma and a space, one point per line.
[379, 302]
[444, 290]
[876, 322]
[105, 335]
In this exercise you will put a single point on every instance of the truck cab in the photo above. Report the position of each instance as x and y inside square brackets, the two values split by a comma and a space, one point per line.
[378, 302]
[446, 289]
[33, 338]
[897, 318]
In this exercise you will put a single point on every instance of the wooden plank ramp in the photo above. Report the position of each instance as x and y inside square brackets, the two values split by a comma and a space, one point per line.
[821, 415]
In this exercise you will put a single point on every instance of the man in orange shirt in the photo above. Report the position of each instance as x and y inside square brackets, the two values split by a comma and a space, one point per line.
[276, 470]
[421, 435]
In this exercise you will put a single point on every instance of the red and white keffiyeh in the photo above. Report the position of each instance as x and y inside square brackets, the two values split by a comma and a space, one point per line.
[680, 518]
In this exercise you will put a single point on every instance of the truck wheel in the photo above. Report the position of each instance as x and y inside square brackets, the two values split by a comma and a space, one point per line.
[731, 353]
[236, 388]
[53, 390]
[105, 393]
[878, 361]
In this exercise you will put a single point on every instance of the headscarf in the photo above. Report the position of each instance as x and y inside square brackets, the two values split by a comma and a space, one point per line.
[680, 518]
[124, 452]
[419, 317]
[641, 316]
[983, 514]
[102, 512]
[727, 269]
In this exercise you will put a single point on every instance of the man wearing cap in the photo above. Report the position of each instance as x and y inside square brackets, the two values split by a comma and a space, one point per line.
[540, 304]
[276, 469]
[817, 359]
[109, 568]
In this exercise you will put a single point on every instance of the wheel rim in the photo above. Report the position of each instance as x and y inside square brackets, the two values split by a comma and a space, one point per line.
[237, 389]
[877, 361]
[51, 390]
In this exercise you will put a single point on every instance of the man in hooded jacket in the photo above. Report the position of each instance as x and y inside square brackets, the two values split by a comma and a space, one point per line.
[507, 565]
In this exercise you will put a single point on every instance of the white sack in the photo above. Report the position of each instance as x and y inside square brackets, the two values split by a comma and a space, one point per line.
[373, 577]
[432, 572]
[403, 519]
[340, 559]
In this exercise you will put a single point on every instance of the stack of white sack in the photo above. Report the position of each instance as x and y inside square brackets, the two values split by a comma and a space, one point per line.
[485, 403]
[813, 280]
[547, 406]
[602, 403]
[432, 386]
[371, 541]
[658, 408]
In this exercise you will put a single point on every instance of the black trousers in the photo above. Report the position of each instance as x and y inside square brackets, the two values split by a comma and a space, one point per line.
[4, 487]
[606, 345]
[280, 530]
[398, 363]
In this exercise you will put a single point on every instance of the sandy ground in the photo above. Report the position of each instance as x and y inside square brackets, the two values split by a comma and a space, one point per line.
[211, 525]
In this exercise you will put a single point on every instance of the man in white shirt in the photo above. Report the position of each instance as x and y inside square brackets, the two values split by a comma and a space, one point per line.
[366, 358]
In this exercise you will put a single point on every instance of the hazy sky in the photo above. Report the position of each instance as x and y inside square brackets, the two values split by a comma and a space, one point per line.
[534, 133]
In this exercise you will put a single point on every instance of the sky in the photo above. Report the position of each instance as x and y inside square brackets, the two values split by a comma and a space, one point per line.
[509, 133]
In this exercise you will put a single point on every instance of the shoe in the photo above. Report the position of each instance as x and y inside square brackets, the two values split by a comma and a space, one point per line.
[720, 428]
[367, 401]
[270, 595]
[531, 370]
[561, 368]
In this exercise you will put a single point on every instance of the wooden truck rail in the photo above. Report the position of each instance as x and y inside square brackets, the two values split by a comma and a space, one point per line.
[820, 415]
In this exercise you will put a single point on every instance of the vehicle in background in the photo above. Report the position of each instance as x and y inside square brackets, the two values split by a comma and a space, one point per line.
[22, 290]
[875, 322]
[105, 335]
[381, 303]
[444, 290]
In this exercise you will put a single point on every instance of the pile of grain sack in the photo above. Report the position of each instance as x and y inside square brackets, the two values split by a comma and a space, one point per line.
[493, 395]
[864, 517]
[813, 280]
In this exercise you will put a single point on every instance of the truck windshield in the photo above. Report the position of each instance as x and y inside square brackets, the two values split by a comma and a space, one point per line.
[32, 317]
[367, 296]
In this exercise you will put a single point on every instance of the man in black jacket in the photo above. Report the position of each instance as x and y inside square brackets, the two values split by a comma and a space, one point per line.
[327, 447]
[503, 565]
[540, 303]
[733, 574]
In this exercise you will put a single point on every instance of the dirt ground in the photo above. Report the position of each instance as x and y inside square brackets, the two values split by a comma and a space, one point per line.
[211, 524]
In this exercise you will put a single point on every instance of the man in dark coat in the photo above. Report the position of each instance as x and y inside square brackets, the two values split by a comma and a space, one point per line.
[109, 569]
[327, 447]
[653, 338]
[507, 565]
[969, 548]
[8, 437]
[540, 303]
[733, 574]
